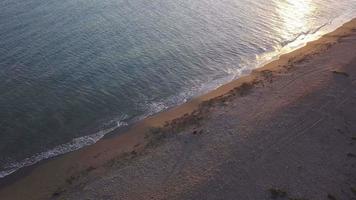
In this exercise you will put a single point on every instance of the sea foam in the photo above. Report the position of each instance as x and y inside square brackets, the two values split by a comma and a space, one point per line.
[73, 145]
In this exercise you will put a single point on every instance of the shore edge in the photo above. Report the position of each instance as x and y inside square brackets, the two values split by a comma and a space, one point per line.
[44, 180]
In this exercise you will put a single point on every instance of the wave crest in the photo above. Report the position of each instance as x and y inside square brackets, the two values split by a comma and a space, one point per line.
[73, 145]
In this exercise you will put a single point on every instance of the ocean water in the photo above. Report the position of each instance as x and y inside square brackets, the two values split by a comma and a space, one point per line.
[72, 71]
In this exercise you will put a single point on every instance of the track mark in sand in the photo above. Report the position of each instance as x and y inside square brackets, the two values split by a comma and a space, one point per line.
[289, 138]
[299, 76]
[302, 132]
[322, 107]
[181, 160]
[310, 127]
[342, 102]
[300, 128]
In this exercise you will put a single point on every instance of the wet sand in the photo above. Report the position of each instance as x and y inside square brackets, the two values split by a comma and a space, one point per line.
[285, 131]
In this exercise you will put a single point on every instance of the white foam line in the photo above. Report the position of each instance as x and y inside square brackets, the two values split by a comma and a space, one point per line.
[73, 145]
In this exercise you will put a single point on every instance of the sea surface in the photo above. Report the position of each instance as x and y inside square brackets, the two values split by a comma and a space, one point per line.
[71, 71]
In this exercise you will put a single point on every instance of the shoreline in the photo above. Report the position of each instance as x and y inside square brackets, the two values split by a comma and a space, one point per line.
[115, 131]
[110, 132]
[77, 164]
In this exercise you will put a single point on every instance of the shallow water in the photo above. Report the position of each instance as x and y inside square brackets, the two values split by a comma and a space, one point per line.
[73, 70]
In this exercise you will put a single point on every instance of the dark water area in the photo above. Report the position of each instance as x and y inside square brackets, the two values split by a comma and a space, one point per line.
[73, 70]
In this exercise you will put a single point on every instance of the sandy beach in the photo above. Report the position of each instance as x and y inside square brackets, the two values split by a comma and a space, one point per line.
[286, 131]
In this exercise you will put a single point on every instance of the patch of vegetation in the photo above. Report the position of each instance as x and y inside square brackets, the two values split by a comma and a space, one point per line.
[277, 193]
[58, 192]
[124, 158]
[341, 73]
[351, 155]
[244, 89]
[133, 153]
[198, 132]
[71, 179]
[90, 168]
[331, 197]
[268, 75]
[353, 190]
[155, 135]
[281, 194]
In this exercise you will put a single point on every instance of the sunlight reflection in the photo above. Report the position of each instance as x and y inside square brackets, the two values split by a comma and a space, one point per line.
[294, 28]
[295, 16]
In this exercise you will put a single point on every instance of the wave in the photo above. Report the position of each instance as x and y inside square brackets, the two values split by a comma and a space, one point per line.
[73, 145]
[187, 94]
[302, 39]
[305, 34]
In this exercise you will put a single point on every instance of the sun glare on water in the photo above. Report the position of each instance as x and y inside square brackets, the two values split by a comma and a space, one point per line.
[295, 15]
[294, 26]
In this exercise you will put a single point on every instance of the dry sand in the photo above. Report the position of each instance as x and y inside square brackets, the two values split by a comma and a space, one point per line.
[287, 131]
